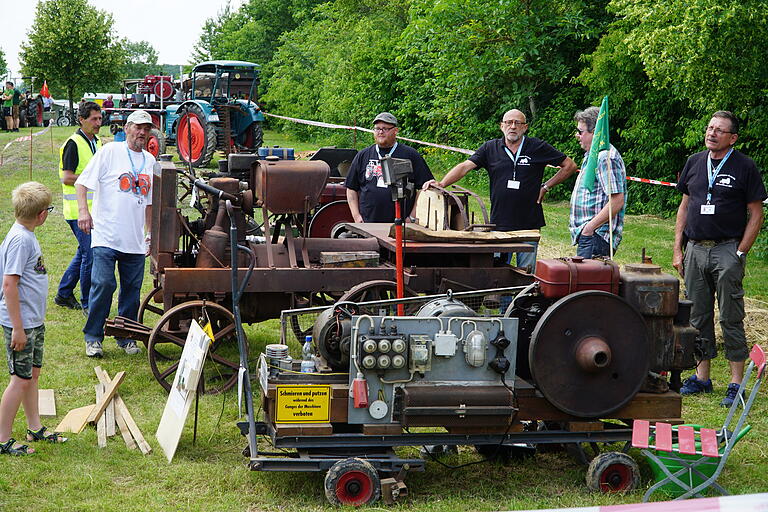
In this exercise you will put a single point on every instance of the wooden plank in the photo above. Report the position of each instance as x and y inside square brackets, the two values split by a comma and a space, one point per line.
[584, 426]
[75, 420]
[664, 436]
[101, 424]
[686, 442]
[132, 427]
[349, 259]
[640, 432]
[709, 444]
[109, 416]
[109, 392]
[298, 429]
[122, 410]
[419, 233]
[46, 402]
[129, 442]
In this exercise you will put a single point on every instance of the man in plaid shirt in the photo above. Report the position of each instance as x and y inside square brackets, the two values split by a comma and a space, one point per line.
[589, 210]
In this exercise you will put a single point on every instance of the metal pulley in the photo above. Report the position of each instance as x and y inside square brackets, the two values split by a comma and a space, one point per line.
[589, 353]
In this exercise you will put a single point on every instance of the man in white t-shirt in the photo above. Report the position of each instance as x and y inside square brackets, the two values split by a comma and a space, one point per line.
[120, 175]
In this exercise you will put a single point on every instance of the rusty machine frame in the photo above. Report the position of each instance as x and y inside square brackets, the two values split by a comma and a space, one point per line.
[191, 274]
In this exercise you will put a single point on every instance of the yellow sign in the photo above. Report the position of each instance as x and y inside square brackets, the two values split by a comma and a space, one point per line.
[303, 404]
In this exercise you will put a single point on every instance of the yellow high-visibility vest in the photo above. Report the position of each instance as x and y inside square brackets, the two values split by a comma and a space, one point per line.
[84, 155]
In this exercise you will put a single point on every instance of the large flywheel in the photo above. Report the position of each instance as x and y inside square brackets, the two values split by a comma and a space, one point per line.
[589, 353]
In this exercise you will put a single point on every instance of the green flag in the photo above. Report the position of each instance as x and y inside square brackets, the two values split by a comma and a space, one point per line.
[600, 142]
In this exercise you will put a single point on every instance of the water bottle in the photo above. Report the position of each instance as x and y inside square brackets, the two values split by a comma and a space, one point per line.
[307, 364]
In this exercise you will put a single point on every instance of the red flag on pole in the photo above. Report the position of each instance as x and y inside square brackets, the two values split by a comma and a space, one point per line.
[44, 90]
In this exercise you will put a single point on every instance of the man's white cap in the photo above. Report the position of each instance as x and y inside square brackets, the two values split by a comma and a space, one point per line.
[139, 117]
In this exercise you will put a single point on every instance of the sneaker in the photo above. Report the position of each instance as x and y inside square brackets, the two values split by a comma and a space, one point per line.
[67, 302]
[93, 349]
[694, 386]
[130, 348]
[730, 394]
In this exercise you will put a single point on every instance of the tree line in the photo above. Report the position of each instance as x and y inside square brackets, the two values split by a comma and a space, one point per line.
[449, 69]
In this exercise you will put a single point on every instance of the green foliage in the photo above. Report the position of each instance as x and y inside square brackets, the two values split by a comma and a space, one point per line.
[140, 60]
[3, 63]
[72, 45]
[449, 69]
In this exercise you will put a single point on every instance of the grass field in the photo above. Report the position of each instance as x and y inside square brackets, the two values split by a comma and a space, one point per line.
[210, 475]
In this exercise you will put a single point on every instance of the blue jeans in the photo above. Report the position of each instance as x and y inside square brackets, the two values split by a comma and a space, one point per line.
[79, 268]
[130, 267]
[592, 246]
[525, 260]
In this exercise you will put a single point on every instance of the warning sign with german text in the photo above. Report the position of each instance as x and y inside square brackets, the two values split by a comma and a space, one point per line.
[303, 404]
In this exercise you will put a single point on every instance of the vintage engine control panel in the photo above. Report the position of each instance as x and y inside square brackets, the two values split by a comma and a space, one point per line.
[421, 371]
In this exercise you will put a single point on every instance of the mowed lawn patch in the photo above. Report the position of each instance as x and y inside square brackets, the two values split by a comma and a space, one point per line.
[210, 475]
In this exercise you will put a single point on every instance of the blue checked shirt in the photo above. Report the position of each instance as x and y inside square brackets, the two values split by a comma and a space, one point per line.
[585, 204]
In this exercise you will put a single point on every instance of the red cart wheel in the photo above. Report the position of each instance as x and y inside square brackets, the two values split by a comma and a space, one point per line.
[156, 142]
[613, 472]
[352, 482]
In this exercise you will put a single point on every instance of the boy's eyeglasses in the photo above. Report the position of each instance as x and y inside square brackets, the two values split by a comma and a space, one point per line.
[49, 209]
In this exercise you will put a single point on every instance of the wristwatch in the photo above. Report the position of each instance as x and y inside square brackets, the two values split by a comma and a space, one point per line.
[412, 219]
[545, 187]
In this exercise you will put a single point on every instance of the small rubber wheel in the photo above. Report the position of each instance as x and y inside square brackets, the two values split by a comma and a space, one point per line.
[352, 482]
[613, 472]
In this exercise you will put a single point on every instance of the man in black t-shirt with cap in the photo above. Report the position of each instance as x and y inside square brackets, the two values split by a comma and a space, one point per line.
[720, 215]
[515, 165]
[368, 196]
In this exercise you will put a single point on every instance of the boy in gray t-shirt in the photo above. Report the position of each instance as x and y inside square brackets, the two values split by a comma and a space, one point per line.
[22, 316]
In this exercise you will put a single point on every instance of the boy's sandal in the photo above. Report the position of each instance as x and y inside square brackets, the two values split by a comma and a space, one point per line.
[40, 435]
[9, 448]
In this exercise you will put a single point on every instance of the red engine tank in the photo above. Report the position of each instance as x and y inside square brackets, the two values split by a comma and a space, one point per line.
[563, 276]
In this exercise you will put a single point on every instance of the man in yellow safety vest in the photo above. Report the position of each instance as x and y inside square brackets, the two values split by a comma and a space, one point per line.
[74, 156]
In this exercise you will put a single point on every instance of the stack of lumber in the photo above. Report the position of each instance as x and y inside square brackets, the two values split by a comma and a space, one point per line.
[109, 414]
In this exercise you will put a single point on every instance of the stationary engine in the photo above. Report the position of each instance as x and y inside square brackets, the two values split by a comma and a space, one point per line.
[586, 335]
[591, 336]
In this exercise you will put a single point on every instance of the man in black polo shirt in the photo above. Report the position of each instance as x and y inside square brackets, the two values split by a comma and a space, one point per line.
[515, 165]
[369, 198]
[720, 215]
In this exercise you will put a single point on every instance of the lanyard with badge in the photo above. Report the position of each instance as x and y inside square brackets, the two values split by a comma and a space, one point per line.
[380, 180]
[514, 183]
[140, 186]
[709, 209]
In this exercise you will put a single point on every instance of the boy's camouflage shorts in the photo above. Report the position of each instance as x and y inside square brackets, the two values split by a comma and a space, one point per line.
[21, 363]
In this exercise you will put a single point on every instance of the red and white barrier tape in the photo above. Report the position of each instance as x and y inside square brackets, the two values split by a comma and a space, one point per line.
[745, 503]
[26, 137]
[440, 146]
[368, 130]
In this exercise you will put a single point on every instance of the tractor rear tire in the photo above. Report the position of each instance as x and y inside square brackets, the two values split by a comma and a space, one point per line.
[254, 137]
[203, 136]
[156, 142]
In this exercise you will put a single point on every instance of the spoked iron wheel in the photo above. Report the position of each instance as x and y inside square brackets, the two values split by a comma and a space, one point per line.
[149, 310]
[168, 337]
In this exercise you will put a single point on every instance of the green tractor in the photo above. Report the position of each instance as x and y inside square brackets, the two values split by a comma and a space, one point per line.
[220, 112]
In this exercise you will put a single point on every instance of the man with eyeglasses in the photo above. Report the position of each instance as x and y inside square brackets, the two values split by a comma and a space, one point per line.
[719, 218]
[74, 155]
[368, 197]
[120, 175]
[515, 165]
[590, 208]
